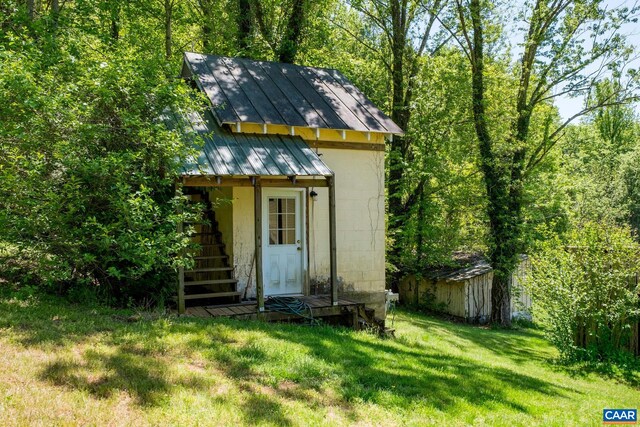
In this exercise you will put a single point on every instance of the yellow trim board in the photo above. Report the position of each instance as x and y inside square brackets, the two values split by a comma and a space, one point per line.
[311, 134]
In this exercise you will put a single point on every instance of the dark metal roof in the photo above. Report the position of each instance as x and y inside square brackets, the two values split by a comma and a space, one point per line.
[244, 90]
[224, 153]
[469, 266]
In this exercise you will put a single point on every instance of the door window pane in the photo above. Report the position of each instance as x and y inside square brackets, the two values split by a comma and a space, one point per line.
[282, 221]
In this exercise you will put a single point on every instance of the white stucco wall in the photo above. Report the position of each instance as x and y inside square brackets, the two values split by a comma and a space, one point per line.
[360, 224]
[359, 221]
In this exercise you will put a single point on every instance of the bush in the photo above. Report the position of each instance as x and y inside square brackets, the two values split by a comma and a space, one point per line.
[586, 285]
[87, 172]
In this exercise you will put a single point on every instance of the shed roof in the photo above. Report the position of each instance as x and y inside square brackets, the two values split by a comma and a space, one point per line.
[248, 91]
[221, 152]
[469, 266]
[477, 268]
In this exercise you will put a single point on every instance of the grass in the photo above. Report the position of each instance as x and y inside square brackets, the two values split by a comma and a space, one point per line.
[65, 365]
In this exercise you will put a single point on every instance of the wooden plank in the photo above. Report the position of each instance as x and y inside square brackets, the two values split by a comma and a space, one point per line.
[238, 310]
[300, 183]
[181, 303]
[203, 258]
[332, 241]
[210, 181]
[226, 311]
[211, 282]
[212, 295]
[205, 270]
[257, 211]
[314, 303]
[365, 146]
[197, 312]
[248, 309]
[214, 312]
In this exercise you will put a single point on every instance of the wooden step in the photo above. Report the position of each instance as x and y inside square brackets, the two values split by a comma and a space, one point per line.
[201, 258]
[213, 295]
[210, 282]
[205, 270]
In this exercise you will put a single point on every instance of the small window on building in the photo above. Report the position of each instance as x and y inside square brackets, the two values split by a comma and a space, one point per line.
[282, 221]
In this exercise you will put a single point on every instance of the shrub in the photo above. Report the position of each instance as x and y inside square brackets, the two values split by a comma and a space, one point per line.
[586, 285]
[87, 173]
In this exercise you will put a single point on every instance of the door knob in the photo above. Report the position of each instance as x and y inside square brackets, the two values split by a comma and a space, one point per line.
[299, 248]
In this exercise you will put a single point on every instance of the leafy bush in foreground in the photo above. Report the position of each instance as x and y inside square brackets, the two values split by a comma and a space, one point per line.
[587, 286]
[87, 197]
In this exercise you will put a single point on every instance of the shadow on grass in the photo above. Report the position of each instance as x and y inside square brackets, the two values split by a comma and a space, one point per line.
[626, 371]
[271, 364]
[388, 373]
[120, 372]
[391, 375]
[514, 344]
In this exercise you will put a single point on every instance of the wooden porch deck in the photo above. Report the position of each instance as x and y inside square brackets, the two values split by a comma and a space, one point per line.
[346, 312]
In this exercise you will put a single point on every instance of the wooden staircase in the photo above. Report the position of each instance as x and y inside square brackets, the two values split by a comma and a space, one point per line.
[212, 278]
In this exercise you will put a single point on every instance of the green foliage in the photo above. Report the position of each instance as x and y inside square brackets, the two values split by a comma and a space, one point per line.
[586, 285]
[601, 157]
[87, 203]
[630, 175]
[442, 175]
[86, 169]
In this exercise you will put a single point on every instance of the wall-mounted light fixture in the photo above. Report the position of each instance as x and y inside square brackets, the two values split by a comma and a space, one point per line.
[313, 195]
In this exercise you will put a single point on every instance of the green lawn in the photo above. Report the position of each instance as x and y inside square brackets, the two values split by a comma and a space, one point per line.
[63, 364]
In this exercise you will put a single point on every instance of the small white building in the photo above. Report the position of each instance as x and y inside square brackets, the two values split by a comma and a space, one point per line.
[293, 169]
[465, 292]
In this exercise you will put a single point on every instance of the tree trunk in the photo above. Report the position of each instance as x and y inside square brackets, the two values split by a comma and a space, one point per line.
[288, 49]
[168, 12]
[207, 31]
[31, 9]
[400, 115]
[115, 22]
[496, 183]
[245, 27]
[55, 13]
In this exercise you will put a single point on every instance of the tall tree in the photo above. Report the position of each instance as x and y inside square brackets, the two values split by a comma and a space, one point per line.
[407, 33]
[245, 25]
[168, 6]
[282, 25]
[555, 61]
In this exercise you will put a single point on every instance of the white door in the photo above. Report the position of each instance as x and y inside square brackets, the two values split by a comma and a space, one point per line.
[282, 240]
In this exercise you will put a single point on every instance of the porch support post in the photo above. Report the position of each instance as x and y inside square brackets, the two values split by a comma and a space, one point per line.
[257, 203]
[333, 280]
[181, 305]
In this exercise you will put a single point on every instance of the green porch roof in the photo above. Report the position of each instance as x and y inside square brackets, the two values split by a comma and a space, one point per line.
[221, 152]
